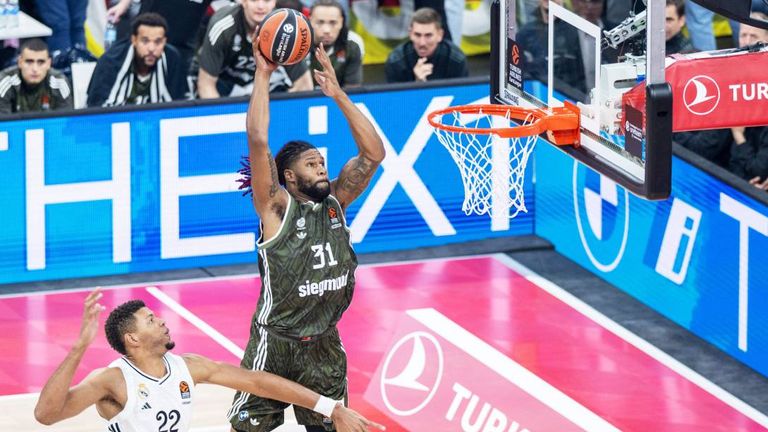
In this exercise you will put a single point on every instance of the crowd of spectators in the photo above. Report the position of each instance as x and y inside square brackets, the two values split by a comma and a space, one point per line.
[743, 151]
[170, 50]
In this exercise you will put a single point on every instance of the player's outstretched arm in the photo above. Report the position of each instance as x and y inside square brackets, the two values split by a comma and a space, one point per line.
[269, 198]
[57, 400]
[358, 171]
[271, 386]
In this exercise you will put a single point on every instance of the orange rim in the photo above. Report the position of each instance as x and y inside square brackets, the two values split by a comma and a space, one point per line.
[564, 118]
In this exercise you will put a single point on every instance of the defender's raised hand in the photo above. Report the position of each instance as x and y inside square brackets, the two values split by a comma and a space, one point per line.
[91, 312]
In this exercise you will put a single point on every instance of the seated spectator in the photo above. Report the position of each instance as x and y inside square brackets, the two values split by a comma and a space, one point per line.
[329, 23]
[677, 42]
[426, 56]
[225, 59]
[749, 152]
[140, 71]
[183, 18]
[33, 85]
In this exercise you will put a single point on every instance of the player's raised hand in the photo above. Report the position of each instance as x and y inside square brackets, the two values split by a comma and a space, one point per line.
[349, 420]
[91, 311]
[326, 78]
[262, 64]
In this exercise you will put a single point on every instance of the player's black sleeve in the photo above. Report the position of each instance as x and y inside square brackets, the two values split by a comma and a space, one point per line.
[217, 42]
[295, 71]
[61, 91]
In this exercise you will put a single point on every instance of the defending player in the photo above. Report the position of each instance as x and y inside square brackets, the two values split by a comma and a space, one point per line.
[306, 262]
[150, 389]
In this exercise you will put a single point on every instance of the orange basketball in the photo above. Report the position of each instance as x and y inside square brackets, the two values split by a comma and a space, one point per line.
[285, 36]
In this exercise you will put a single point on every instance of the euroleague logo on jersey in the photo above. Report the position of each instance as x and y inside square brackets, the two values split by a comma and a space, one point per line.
[701, 95]
[184, 390]
[334, 218]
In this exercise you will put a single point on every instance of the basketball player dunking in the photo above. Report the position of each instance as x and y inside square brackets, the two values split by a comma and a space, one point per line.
[150, 389]
[306, 262]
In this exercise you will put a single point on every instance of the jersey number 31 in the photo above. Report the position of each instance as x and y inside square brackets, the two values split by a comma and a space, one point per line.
[320, 260]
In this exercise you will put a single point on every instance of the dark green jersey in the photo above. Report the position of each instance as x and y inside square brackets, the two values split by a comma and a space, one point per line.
[307, 270]
[139, 91]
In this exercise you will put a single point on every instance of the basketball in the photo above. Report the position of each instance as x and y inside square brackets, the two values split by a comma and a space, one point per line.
[285, 36]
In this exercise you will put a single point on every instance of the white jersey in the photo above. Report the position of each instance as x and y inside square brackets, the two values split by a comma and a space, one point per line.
[155, 404]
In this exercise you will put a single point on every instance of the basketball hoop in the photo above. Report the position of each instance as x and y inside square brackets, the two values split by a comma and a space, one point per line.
[492, 155]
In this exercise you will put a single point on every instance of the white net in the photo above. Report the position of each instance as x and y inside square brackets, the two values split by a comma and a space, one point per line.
[492, 168]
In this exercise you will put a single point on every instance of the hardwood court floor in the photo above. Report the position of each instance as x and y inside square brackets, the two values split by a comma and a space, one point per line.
[596, 363]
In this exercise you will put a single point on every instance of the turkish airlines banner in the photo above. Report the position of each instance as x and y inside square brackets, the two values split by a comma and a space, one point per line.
[436, 376]
[714, 92]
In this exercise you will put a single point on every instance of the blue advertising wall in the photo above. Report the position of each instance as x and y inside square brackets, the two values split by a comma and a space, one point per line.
[111, 193]
[699, 258]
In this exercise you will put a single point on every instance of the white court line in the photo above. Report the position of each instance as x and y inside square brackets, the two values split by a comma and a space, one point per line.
[138, 284]
[530, 275]
[511, 370]
[196, 321]
[635, 340]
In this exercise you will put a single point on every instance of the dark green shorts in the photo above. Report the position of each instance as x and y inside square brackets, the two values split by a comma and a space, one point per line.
[319, 364]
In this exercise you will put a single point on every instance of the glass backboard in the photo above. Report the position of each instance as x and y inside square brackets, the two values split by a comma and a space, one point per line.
[555, 54]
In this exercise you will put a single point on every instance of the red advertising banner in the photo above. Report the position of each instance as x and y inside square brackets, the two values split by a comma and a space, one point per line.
[436, 376]
[711, 91]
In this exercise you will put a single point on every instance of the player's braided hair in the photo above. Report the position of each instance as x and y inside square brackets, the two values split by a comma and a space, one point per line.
[284, 159]
[120, 321]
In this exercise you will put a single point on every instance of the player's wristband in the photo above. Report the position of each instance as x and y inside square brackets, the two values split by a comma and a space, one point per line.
[325, 406]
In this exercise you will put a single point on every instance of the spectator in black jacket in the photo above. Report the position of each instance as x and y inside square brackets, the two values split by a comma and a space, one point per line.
[713, 145]
[749, 152]
[677, 42]
[146, 70]
[426, 56]
[32, 85]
